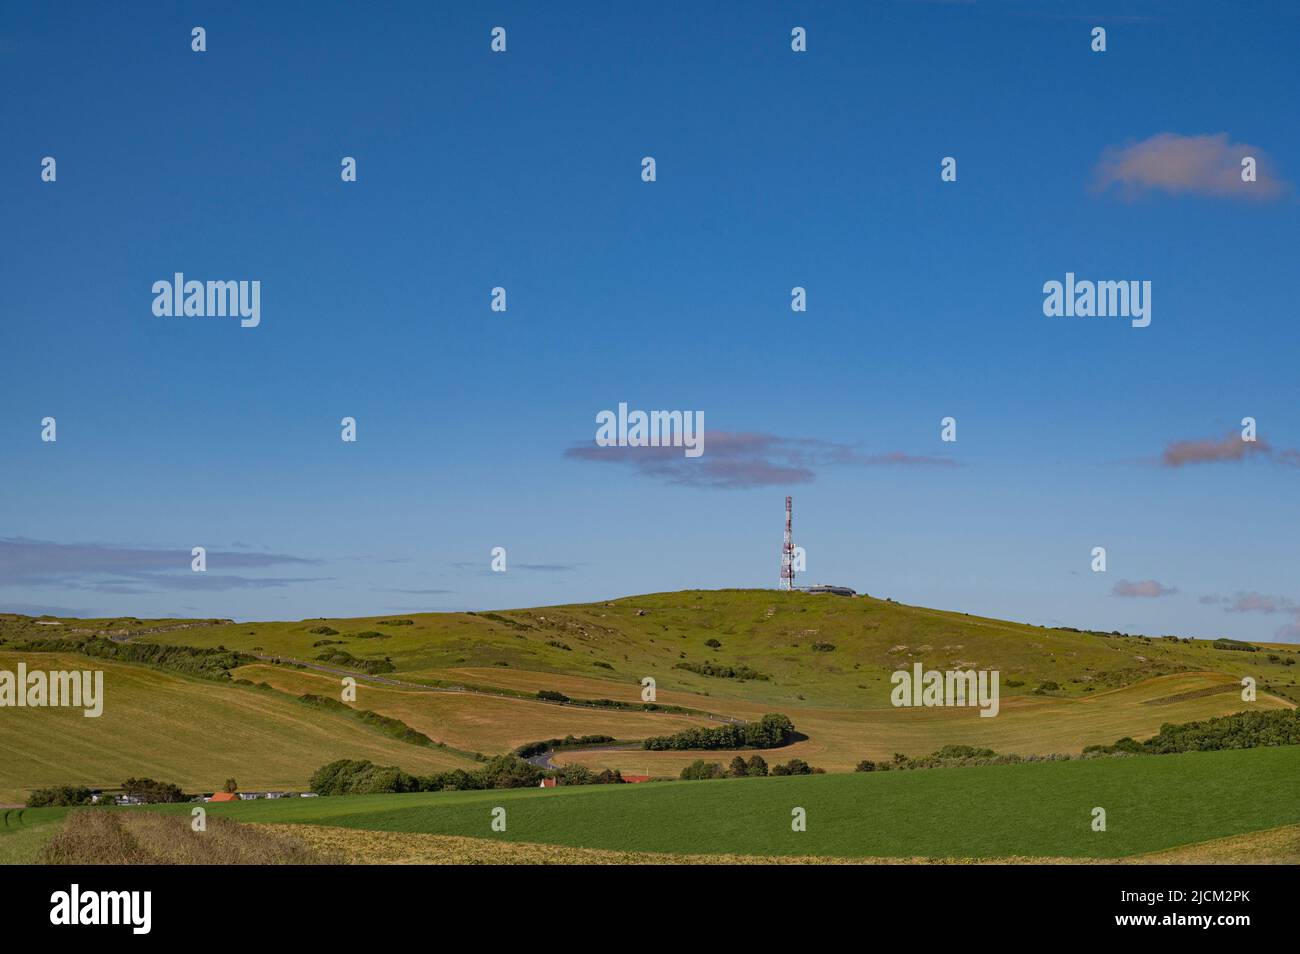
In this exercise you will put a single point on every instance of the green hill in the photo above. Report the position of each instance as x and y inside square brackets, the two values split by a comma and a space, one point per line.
[471, 680]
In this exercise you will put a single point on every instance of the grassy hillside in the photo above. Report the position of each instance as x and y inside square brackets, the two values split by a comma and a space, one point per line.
[771, 632]
[1152, 803]
[193, 732]
[825, 661]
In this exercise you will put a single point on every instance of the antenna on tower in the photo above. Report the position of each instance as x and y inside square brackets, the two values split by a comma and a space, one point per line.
[787, 549]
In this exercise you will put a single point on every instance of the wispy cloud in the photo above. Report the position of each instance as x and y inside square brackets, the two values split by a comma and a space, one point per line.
[1244, 601]
[1207, 165]
[135, 570]
[1145, 589]
[484, 566]
[1213, 450]
[740, 460]
[1251, 602]
[411, 592]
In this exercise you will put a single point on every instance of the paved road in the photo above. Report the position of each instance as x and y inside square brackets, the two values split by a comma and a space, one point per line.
[544, 759]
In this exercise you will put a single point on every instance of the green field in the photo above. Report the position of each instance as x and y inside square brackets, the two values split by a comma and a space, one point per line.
[1040, 809]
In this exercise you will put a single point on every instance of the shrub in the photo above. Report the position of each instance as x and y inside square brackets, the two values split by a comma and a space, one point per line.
[716, 671]
[1235, 644]
[340, 657]
[551, 696]
[323, 631]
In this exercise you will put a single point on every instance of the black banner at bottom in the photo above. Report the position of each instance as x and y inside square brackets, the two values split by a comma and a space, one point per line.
[333, 904]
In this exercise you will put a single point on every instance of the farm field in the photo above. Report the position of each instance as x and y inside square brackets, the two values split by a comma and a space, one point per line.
[192, 732]
[486, 724]
[837, 738]
[1038, 810]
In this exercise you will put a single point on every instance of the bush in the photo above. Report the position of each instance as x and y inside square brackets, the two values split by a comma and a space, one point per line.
[713, 644]
[551, 696]
[716, 671]
[866, 765]
[323, 631]
[1234, 644]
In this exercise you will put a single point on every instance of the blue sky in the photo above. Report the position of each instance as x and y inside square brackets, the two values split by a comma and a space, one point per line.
[774, 169]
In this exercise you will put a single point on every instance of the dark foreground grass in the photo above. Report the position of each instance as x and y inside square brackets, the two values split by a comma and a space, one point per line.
[1038, 809]
[94, 836]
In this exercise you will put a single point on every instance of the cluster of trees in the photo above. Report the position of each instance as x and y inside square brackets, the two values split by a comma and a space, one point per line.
[362, 777]
[739, 768]
[581, 775]
[768, 732]
[190, 660]
[1244, 730]
[154, 792]
[146, 789]
[59, 795]
[719, 671]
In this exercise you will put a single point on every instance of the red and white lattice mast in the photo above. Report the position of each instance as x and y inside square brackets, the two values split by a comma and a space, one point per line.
[787, 549]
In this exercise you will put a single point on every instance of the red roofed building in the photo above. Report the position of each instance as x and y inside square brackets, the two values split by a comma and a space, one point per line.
[636, 778]
[224, 797]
